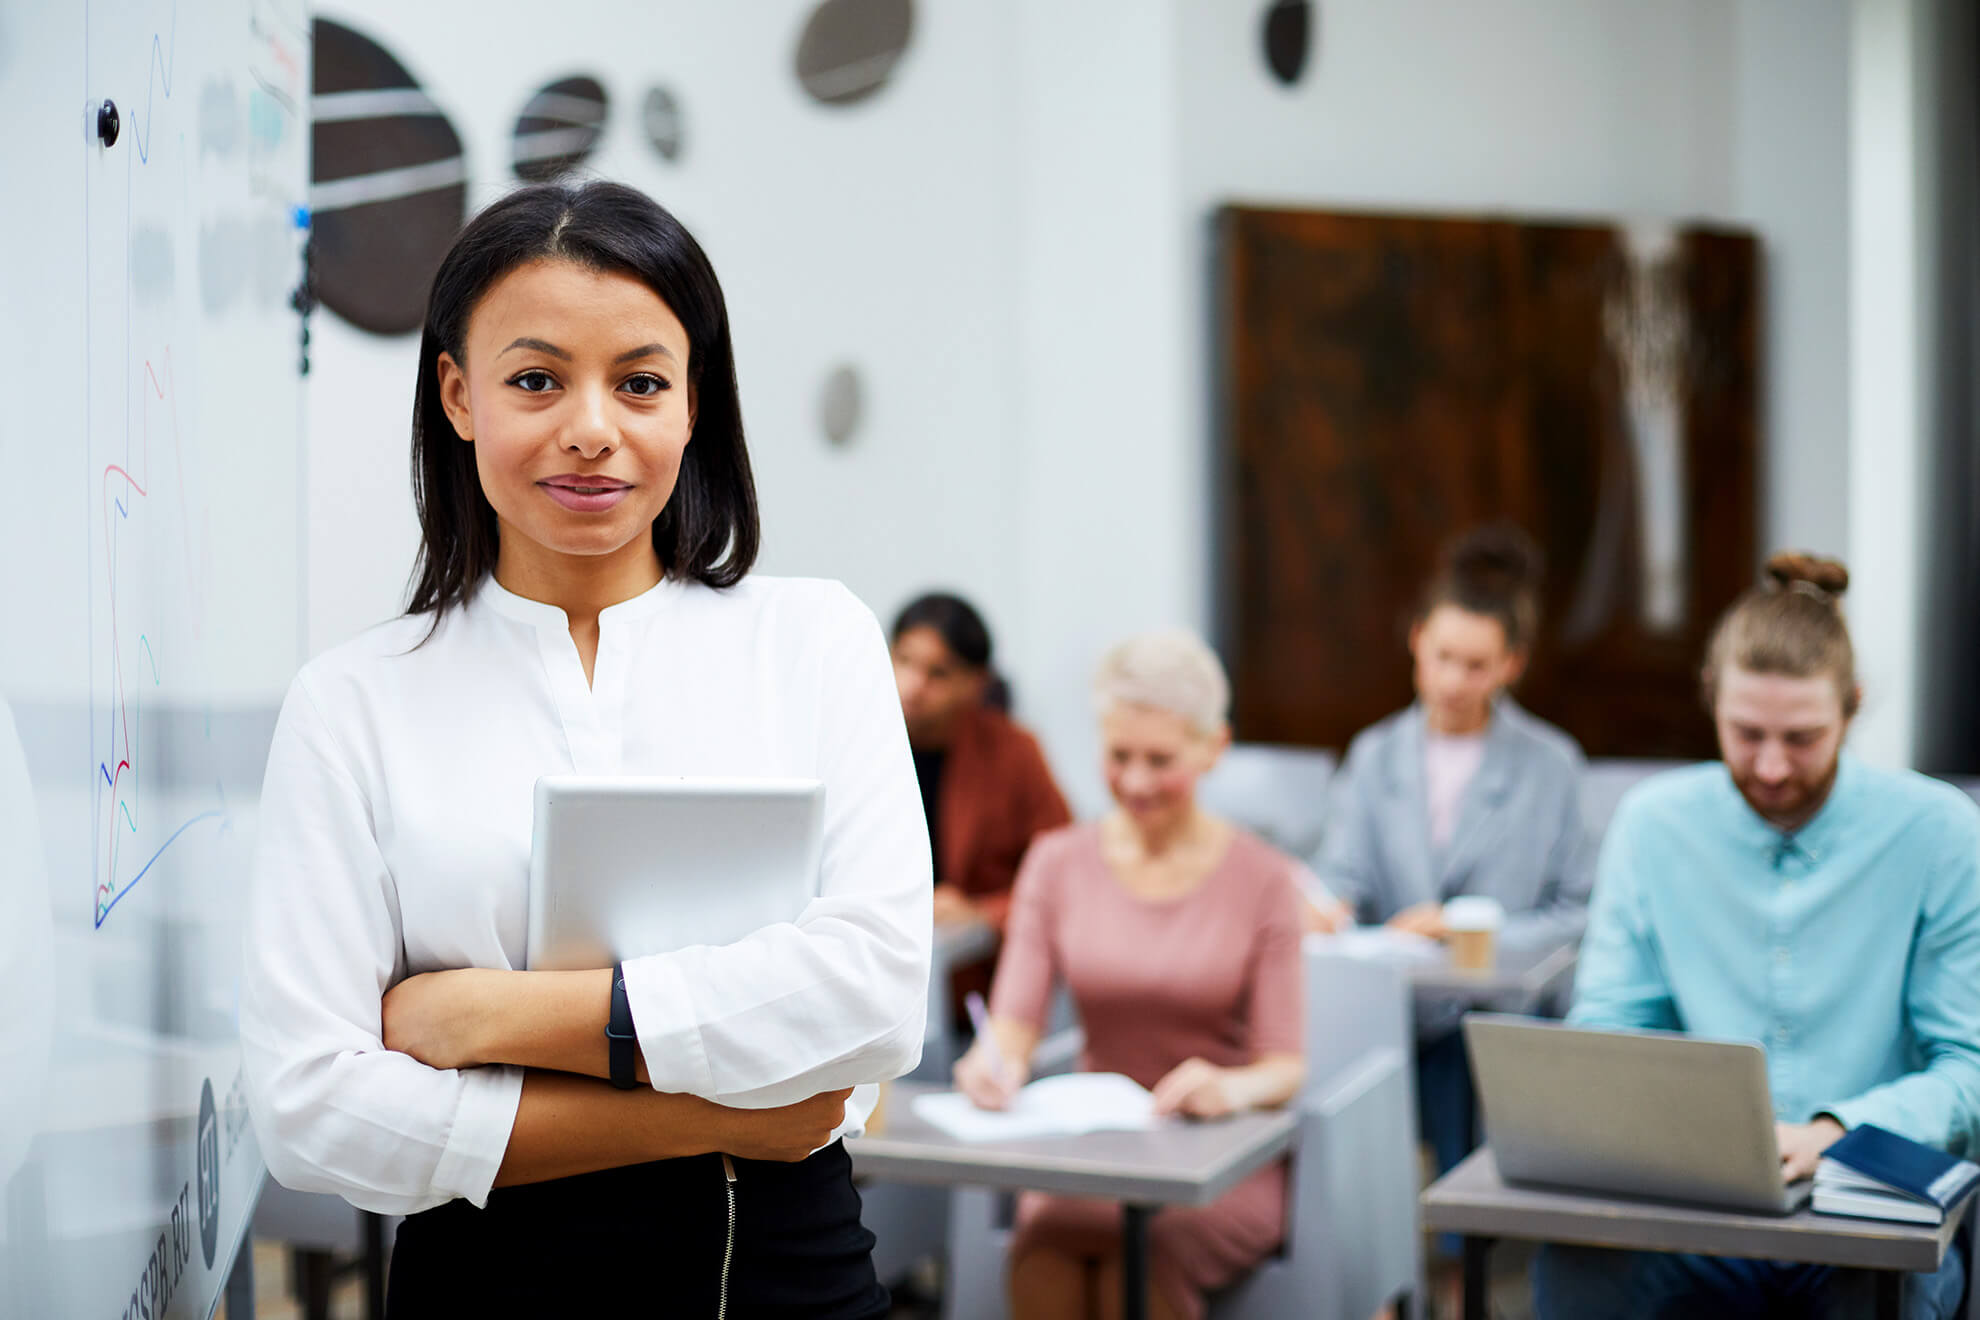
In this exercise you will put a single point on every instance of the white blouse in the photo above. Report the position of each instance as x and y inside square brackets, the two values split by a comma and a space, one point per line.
[395, 838]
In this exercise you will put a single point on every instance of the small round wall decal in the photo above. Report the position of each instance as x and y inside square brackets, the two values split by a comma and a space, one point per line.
[388, 187]
[840, 405]
[661, 118]
[849, 48]
[1288, 37]
[558, 129]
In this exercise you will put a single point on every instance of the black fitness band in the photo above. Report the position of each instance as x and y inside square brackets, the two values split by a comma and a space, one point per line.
[619, 1033]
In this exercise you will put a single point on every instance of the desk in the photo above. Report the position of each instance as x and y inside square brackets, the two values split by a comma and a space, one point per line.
[1520, 978]
[1473, 1201]
[1192, 1164]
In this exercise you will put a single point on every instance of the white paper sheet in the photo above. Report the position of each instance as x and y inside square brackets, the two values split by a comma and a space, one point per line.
[1063, 1106]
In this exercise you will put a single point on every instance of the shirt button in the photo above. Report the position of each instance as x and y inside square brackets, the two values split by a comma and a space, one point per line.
[1781, 956]
[1781, 1034]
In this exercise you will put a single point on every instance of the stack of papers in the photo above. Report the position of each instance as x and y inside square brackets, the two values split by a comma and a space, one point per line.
[1066, 1106]
[1379, 944]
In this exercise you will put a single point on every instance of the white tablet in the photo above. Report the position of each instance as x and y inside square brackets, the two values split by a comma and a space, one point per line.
[623, 866]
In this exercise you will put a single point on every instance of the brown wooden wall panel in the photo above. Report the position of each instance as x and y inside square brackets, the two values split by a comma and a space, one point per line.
[1390, 381]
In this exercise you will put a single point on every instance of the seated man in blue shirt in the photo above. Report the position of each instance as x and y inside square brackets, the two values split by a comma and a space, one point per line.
[1794, 896]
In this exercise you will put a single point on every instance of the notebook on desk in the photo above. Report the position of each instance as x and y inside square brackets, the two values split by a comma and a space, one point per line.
[1873, 1174]
[625, 866]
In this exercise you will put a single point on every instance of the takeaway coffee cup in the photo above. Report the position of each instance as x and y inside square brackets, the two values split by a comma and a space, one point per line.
[1474, 925]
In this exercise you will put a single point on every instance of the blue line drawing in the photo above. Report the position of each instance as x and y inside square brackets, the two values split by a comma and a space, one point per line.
[204, 815]
[161, 67]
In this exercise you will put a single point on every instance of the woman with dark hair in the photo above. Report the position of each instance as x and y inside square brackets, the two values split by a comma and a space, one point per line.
[985, 788]
[581, 603]
[1463, 793]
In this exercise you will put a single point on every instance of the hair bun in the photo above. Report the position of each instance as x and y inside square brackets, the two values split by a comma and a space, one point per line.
[1789, 569]
[1501, 553]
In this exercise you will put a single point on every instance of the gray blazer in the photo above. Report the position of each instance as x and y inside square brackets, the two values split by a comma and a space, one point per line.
[1519, 835]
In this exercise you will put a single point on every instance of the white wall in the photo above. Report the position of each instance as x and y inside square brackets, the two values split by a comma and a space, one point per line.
[878, 234]
[1012, 241]
[1594, 108]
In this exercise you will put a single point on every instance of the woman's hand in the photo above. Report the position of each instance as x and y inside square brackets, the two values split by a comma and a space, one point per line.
[1425, 919]
[1328, 918]
[787, 1133]
[1198, 1089]
[987, 1077]
[441, 1018]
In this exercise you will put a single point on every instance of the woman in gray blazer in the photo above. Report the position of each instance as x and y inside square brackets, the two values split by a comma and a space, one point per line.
[1463, 793]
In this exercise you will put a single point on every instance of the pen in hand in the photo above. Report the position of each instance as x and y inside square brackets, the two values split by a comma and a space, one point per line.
[1000, 1068]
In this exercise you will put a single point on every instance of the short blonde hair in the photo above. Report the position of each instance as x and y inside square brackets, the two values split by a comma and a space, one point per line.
[1171, 671]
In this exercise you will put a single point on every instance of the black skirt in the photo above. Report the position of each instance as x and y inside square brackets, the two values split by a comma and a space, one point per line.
[648, 1239]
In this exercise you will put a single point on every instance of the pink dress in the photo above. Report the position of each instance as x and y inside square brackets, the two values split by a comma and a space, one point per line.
[1214, 975]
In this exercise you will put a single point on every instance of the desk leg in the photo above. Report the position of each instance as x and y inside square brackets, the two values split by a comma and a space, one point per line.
[1890, 1294]
[1134, 1262]
[1477, 1278]
[374, 1265]
[240, 1283]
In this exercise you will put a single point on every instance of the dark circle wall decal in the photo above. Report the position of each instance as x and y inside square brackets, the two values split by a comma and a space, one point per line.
[559, 129]
[849, 48]
[1288, 34]
[388, 185]
[840, 405]
[661, 117]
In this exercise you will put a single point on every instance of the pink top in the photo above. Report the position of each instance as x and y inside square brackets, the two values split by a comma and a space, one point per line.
[1450, 763]
[1214, 974]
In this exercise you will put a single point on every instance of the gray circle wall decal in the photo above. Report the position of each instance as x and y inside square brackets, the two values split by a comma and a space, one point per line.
[840, 405]
[849, 48]
[1288, 36]
[661, 117]
[388, 185]
[559, 129]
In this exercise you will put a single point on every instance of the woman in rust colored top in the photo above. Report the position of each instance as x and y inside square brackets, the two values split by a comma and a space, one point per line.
[985, 786]
[1178, 935]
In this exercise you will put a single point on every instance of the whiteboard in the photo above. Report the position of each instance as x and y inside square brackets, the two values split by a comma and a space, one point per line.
[152, 547]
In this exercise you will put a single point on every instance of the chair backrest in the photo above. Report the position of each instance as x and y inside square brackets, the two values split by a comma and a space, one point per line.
[1606, 780]
[1277, 792]
[1355, 1007]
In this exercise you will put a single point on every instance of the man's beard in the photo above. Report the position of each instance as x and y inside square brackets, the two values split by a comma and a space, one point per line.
[1790, 804]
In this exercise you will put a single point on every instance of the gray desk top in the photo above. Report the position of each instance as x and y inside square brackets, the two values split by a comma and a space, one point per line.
[959, 942]
[1526, 977]
[1189, 1164]
[1472, 1199]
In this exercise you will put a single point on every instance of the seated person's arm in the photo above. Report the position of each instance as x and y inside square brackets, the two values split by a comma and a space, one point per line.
[1620, 980]
[1347, 864]
[1277, 1000]
[1320, 910]
[1040, 807]
[1939, 1104]
[1561, 914]
[992, 1071]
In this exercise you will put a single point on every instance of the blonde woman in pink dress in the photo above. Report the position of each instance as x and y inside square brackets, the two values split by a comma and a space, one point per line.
[1178, 935]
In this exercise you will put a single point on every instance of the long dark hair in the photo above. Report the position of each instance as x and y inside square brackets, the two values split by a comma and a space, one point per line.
[708, 531]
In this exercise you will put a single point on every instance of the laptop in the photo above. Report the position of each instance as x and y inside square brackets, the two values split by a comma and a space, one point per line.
[625, 866]
[1650, 1114]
